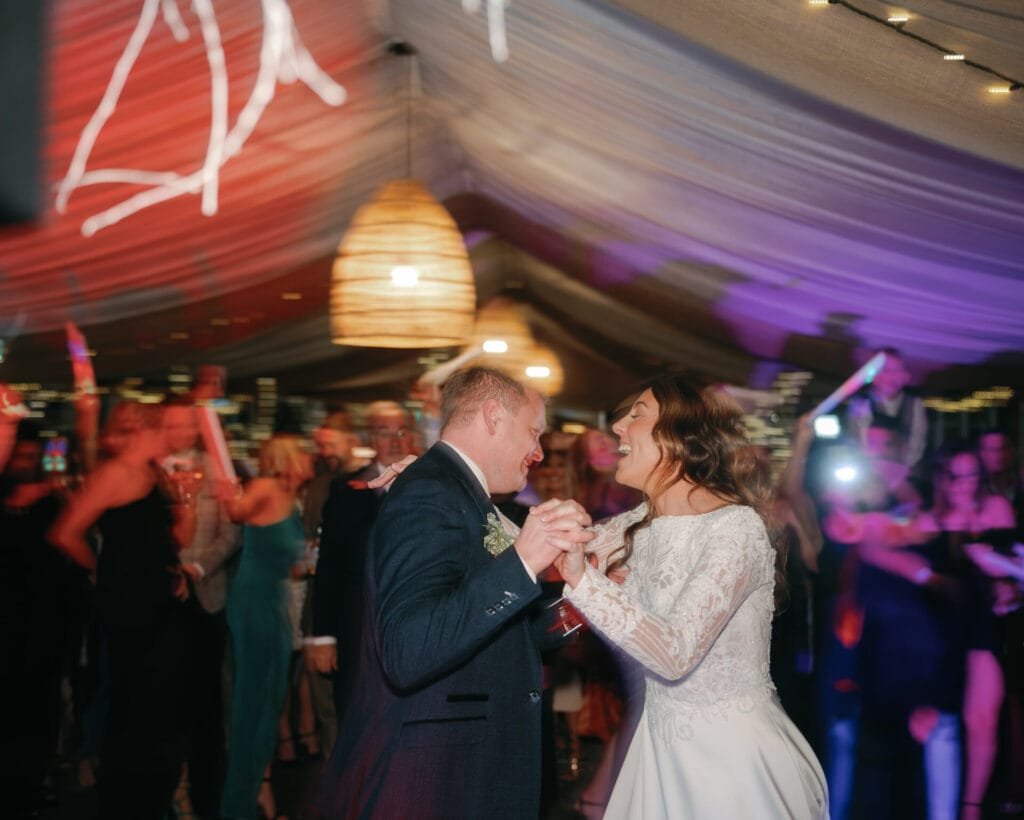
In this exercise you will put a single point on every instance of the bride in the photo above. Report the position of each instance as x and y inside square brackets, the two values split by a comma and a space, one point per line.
[695, 611]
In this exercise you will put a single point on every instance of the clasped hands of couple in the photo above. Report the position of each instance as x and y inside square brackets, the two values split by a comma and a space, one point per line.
[554, 534]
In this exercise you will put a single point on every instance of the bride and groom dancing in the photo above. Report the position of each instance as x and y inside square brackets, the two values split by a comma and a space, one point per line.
[446, 718]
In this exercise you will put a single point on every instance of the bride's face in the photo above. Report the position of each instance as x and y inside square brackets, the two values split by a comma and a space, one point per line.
[640, 454]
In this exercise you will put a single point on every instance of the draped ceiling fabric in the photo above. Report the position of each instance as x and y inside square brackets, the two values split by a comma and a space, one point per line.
[687, 183]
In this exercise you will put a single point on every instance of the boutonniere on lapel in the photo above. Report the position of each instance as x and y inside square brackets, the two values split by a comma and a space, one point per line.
[496, 540]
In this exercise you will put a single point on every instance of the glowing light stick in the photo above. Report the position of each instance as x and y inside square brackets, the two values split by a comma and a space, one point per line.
[865, 375]
[81, 364]
[495, 25]
[216, 446]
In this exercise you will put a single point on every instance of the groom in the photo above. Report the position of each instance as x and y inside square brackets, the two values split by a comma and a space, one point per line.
[445, 720]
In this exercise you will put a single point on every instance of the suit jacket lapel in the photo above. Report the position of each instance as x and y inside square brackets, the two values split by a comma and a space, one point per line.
[465, 477]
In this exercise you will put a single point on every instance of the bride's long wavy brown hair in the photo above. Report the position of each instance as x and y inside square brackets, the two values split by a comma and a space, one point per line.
[701, 437]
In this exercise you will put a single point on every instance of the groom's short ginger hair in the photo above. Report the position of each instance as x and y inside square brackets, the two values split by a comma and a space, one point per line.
[466, 390]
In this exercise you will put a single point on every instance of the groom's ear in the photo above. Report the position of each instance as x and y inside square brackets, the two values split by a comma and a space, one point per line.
[492, 411]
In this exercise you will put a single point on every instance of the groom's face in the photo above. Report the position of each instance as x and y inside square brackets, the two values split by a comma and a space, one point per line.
[517, 445]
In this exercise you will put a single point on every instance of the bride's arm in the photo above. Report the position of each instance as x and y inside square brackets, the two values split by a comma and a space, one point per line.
[610, 534]
[738, 561]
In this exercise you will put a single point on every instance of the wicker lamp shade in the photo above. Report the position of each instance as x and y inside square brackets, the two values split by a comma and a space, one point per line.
[536, 366]
[543, 371]
[501, 320]
[402, 277]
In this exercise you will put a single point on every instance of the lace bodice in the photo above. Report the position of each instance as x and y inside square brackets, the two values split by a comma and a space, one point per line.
[695, 610]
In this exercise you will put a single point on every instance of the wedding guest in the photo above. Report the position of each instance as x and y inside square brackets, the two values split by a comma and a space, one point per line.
[970, 518]
[204, 560]
[607, 680]
[593, 458]
[889, 396]
[39, 592]
[140, 590]
[348, 518]
[258, 620]
[1002, 476]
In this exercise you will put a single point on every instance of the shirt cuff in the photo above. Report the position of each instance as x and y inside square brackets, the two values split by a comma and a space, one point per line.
[530, 572]
[320, 640]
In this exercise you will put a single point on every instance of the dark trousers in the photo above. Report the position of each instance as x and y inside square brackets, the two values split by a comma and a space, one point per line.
[205, 752]
[144, 740]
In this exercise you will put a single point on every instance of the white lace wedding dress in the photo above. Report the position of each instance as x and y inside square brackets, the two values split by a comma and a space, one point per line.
[695, 611]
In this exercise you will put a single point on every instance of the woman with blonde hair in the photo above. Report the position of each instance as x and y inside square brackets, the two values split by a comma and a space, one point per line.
[257, 608]
[695, 612]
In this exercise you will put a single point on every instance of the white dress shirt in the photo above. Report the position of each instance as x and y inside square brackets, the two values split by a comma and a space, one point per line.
[508, 524]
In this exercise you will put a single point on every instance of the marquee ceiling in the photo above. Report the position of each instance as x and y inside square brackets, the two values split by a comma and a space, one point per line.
[704, 184]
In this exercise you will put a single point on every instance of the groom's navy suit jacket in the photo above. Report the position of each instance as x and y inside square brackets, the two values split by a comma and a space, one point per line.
[445, 719]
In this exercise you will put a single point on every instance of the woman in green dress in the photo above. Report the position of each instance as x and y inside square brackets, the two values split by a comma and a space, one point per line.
[257, 609]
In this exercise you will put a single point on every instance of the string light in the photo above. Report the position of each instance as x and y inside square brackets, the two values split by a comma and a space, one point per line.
[897, 22]
[978, 400]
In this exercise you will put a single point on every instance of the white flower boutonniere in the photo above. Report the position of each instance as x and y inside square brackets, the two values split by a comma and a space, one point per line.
[496, 540]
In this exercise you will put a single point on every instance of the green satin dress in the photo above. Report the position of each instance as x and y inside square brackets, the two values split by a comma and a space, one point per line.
[261, 638]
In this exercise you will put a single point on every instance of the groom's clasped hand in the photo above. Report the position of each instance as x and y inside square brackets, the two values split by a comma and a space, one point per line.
[552, 529]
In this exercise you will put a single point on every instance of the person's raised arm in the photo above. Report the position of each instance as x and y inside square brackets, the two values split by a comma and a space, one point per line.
[791, 482]
[83, 510]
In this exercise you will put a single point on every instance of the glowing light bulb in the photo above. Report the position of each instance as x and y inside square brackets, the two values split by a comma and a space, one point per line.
[898, 18]
[538, 371]
[999, 89]
[846, 474]
[495, 346]
[952, 57]
[826, 426]
[404, 276]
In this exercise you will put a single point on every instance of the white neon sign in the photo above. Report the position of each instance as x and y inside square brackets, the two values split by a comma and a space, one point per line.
[283, 59]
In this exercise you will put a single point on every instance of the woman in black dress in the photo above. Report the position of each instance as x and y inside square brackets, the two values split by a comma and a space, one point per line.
[139, 593]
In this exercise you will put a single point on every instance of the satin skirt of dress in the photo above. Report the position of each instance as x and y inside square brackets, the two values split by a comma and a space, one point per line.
[742, 764]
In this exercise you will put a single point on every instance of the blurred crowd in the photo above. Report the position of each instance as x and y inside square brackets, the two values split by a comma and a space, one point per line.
[900, 653]
[176, 633]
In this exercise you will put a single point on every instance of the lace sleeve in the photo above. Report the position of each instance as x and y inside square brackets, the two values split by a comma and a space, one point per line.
[610, 534]
[734, 561]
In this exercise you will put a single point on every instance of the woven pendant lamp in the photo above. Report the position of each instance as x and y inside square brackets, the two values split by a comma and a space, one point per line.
[502, 322]
[402, 277]
[543, 371]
